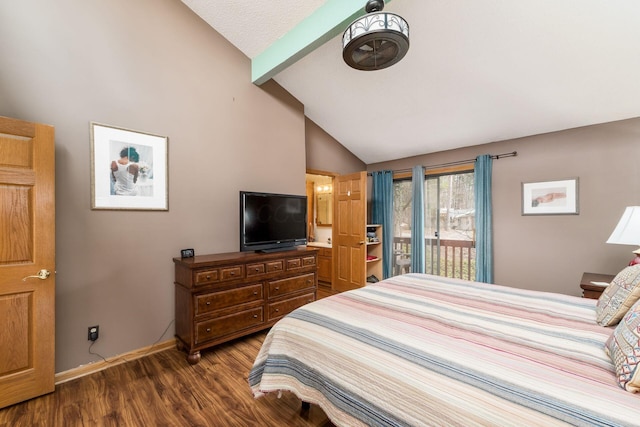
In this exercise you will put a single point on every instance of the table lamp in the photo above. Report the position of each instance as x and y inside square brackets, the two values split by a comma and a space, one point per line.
[627, 232]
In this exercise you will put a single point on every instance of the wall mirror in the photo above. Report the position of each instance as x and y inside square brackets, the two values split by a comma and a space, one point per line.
[321, 187]
[324, 209]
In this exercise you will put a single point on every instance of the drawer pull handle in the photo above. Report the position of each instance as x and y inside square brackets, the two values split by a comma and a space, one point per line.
[277, 288]
[208, 329]
[257, 269]
[255, 316]
[208, 302]
[255, 292]
[233, 273]
[277, 310]
[208, 277]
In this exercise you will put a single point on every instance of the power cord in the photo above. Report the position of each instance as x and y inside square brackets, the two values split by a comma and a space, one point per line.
[124, 358]
[96, 354]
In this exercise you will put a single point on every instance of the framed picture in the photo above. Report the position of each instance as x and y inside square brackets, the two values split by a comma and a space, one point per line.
[129, 169]
[550, 197]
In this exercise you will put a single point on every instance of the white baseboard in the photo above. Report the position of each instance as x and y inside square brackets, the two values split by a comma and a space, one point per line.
[92, 368]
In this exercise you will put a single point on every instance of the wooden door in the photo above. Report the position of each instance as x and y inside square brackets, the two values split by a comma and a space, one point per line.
[349, 225]
[27, 249]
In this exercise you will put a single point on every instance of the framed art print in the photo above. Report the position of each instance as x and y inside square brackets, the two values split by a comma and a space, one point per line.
[129, 169]
[550, 197]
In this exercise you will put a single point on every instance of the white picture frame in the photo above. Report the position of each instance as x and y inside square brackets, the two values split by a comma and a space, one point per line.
[550, 197]
[141, 182]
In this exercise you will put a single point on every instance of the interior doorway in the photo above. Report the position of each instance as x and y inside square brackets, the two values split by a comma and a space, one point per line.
[320, 207]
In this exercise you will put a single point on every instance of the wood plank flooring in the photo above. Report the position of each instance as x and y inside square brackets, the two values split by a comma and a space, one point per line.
[164, 390]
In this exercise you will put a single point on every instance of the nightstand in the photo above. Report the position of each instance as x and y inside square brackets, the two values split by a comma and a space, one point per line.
[589, 290]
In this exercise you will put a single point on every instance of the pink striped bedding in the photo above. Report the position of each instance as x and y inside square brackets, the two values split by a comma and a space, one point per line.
[420, 350]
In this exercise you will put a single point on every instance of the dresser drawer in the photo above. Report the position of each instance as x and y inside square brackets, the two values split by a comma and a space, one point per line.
[258, 269]
[281, 308]
[275, 266]
[206, 303]
[293, 263]
[296, 263]
[308, 261]
[213, 275]
[206, 277]
[221, 326]
[255, 269]
[281, 287]
[232, 272]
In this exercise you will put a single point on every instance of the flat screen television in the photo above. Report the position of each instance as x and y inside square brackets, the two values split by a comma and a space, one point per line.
[272, 222]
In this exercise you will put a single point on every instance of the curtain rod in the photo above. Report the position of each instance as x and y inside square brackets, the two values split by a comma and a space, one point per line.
[459, 162]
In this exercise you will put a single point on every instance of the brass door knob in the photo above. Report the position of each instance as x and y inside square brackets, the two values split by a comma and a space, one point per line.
[42, 275]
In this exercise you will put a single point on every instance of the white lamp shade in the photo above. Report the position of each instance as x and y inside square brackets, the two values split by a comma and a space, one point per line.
[627, 232]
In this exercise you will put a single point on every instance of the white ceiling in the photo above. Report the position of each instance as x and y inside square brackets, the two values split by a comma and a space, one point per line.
[477, 71]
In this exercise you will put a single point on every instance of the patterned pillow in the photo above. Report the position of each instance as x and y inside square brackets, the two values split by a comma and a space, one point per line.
[621, 294]
[623, 347]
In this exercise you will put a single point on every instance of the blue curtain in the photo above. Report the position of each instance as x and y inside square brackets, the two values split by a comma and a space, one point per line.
[382, 213]
[417, 220]
[484, 229]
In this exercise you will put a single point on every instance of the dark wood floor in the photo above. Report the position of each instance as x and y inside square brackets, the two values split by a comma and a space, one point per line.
[164, 390]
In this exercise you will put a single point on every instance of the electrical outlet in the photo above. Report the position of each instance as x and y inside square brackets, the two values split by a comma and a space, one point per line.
[93, 333]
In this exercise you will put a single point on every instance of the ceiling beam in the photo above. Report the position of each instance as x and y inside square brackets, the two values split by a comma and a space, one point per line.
[329, 20]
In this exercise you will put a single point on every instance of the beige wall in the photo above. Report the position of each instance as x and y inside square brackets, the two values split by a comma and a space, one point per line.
[550, 253]
[326, 154]
[152, 66]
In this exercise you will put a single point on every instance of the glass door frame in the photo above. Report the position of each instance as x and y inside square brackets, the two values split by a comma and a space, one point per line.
[429, 231]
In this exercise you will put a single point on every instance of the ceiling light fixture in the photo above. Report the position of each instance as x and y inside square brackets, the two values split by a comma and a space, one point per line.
[375, 41]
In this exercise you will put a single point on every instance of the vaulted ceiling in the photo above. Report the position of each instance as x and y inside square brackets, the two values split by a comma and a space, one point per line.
[477, 71]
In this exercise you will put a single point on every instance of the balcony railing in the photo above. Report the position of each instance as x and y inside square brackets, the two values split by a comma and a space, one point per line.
[457, 257]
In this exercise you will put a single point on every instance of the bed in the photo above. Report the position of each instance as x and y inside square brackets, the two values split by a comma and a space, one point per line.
[422, 350]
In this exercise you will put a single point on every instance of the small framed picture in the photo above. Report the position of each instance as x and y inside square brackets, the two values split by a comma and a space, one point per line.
[550, 197]
[129, 169]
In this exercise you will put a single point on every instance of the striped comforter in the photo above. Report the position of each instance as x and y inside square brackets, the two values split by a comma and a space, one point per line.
[420, 350]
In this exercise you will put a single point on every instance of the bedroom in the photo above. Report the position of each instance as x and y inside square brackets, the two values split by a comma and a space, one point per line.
[142, 67]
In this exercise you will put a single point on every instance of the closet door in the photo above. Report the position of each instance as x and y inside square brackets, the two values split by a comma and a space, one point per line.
[27, 260]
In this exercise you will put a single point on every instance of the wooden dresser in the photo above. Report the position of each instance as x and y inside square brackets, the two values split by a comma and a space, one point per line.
[220, 297]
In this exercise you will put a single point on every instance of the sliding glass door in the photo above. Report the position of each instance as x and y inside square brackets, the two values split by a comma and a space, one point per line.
[449, 225]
